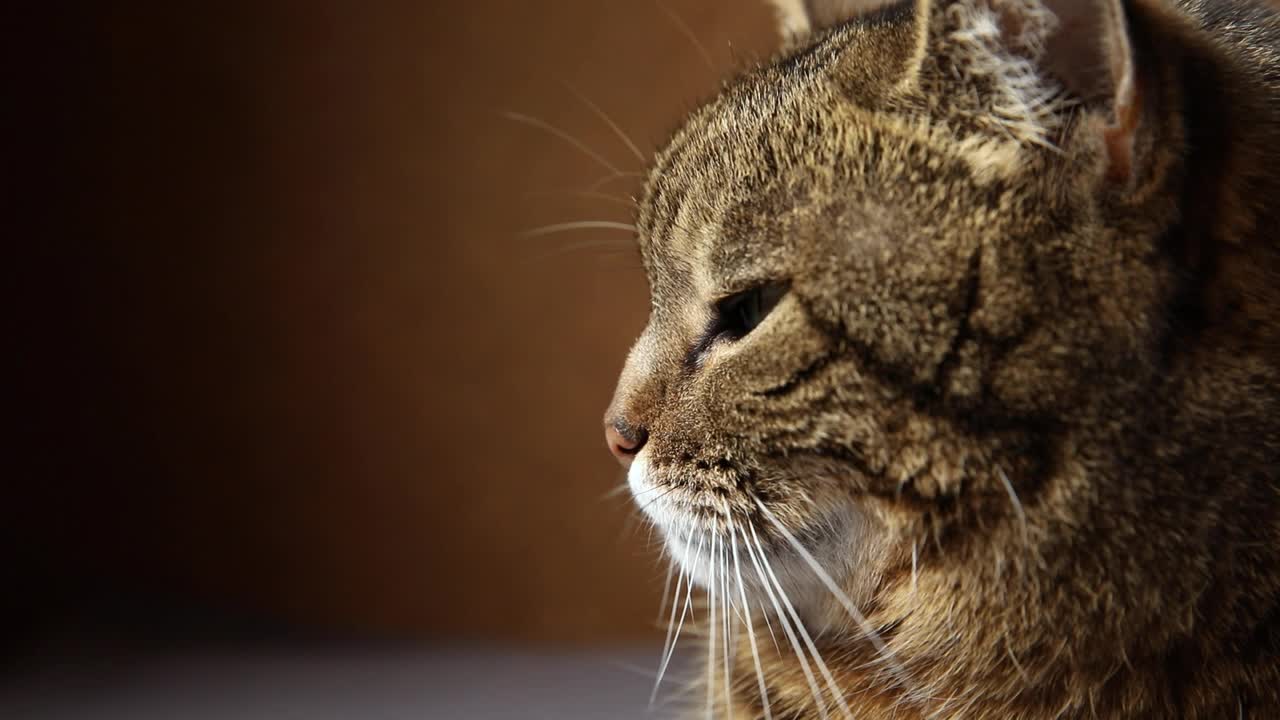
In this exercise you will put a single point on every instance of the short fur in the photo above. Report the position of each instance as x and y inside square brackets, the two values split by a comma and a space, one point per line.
[1027, 370]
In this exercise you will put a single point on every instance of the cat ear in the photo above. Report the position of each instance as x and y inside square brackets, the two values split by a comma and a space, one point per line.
[798, 18]
[1034, 50]
[1091, 54]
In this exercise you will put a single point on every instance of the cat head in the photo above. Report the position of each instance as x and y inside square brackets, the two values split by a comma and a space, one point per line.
[896, 276]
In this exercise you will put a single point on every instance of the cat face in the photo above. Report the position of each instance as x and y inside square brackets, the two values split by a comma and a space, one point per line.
[886, 282]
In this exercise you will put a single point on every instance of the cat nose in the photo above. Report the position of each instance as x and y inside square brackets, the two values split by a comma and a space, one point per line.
[624, 440]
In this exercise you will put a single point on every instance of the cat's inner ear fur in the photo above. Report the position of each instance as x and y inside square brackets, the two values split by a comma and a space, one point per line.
[800, 18]
[1041, 56]
[1091, 54]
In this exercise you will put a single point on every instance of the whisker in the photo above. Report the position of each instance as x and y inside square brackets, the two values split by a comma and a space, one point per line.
[1017, 666]
[675, 637]
[666, 492]
[915, 566]
[579, 246]
[617, 130]
[682, 694]
[711, 622]
[832, 685]
[620, 175]
[764, 612]
[725, 603]
[786, 626]
[621, 261]
[566, 137]
[751, 631]
[671, 629]
[1017, 504]
[620, 490]
[687, 31]
[666, 598]
[768, 624]
[629, 668]
[627, 202]
[581, 225]
[868, 631]
[632, 521]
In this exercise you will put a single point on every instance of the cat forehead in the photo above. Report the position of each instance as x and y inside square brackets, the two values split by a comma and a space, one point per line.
[753, 156]
[733, 144]
[829, 125]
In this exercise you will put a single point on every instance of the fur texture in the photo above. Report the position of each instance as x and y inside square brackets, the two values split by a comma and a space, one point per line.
[1021, 399]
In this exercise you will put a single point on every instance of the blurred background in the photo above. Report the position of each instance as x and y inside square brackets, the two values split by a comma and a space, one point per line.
[306, 427]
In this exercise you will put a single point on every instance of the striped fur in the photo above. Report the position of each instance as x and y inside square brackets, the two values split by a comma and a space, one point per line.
[1022, 397]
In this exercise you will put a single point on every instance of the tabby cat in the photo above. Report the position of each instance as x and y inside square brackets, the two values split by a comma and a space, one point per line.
[960, 393]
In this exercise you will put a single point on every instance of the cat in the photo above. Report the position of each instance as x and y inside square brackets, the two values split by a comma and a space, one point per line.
[960, 391]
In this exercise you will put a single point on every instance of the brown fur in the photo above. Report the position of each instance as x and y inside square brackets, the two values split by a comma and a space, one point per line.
[1038, 351]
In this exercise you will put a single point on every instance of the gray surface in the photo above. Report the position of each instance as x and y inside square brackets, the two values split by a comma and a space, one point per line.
[329, 686]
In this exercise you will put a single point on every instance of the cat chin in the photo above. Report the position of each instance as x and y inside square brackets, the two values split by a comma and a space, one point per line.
[782, 585]
[760, 565]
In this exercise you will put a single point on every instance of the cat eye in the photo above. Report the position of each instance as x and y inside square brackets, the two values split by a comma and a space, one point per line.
[739, 314]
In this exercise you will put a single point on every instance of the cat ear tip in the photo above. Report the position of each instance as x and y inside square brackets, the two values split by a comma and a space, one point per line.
[792, 17]
[800, 18]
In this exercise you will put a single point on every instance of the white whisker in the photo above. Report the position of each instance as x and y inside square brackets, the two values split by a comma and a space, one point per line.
[617, 130]
[688, 603]
[620, 175]
[1013, 658]
[626, 202]
[751, 631]
[1013, 497]
[687, 31]
[725, 602]
[832, 685]
[620, 490]
[711, 622]
[666, 492]
[666, 597]
[582, 225]
[915, 566]
[786, 627]
[765, 614]
[868, 631]
[681, 695]
[566, 137]
[567, 248]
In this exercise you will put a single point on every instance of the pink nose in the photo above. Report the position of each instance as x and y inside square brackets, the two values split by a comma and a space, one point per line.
[624, 441]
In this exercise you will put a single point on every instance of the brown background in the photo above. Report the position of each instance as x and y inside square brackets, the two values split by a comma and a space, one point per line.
[282, 351]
